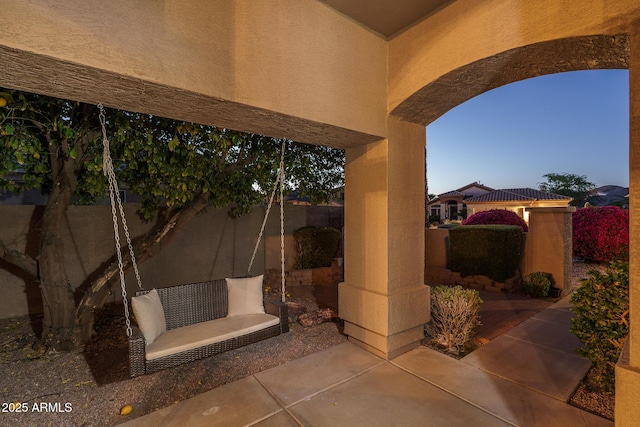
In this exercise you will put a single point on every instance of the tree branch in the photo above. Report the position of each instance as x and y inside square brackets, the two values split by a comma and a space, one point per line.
[146, 247]
[18, 259]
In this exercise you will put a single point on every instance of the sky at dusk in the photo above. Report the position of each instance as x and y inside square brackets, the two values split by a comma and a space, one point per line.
[509, 137]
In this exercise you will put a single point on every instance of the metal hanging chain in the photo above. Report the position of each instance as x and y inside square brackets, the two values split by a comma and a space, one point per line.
[282, 272]
[266, 215]
[114, 196]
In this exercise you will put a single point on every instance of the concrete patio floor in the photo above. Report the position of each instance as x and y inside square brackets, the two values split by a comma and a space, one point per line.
[524, 377]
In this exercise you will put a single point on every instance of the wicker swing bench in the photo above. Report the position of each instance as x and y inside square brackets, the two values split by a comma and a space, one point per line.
[180, 324]
[198, 326]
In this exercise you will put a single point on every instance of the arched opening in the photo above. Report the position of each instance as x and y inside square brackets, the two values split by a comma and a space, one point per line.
[554, 56]
[509, 137]
[458, 86]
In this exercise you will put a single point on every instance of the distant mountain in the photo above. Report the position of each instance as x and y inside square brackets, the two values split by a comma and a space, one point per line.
[609, 195]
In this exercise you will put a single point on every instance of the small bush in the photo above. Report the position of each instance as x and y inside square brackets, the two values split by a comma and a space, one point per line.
[601, 234]
[454, 316]
[496, 216]
[316, 246]
[601, 306]
[537, 284]
[434, 219]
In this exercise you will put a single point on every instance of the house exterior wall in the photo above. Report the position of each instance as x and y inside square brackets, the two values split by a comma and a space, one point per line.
[441, 205]
[299, 69]
[281, 68]
[473, 208]
[519, 208]
[445, 206]
[470, 47]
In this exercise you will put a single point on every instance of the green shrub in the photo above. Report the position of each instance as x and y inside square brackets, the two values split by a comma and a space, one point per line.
[489, 250]
[601, 306]
[454, 316]
[316, 246]
[537, 284]
[434, 219]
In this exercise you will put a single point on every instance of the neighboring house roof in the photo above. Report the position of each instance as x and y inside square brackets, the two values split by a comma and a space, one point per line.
[517, 195]
[453, 193]
[469, 190]
[476, 185]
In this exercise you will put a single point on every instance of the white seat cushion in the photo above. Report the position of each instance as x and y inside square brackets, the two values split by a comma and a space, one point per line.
[149, 314]
[245, 296]
[200, 334]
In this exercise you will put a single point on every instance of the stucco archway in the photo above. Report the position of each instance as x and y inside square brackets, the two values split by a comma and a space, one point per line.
[300, 69]
[554, 56]
[549, 57]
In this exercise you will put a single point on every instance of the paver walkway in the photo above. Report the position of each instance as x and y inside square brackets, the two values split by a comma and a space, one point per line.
[521, 378]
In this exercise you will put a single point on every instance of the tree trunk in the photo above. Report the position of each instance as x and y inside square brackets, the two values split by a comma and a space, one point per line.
[146, 247]
[59, 326]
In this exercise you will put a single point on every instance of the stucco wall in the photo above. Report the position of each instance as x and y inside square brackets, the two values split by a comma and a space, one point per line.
[212, 246]
[547, 246]
[435, 247]
[292, 68]
[481, 45]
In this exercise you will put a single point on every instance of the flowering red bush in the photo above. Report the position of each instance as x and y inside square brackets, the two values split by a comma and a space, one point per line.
[601, 234]
[496, 216]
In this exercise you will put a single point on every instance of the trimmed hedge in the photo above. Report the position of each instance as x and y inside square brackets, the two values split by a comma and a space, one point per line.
[316, 246]
[488, 250]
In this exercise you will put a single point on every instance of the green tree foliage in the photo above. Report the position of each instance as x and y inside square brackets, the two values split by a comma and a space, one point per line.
[568, 184]
[178, 168]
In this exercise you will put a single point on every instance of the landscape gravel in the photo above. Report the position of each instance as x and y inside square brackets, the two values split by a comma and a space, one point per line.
[89, 388]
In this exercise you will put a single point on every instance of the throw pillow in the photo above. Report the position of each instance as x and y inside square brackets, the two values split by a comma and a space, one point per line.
[149, 315]
[245, 296]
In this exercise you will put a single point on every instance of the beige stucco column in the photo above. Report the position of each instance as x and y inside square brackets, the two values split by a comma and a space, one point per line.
[549, 244]
[627, 412]
[383, 299]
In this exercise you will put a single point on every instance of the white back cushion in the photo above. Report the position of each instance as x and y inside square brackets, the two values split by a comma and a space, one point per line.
[150, 315]
[245, 296]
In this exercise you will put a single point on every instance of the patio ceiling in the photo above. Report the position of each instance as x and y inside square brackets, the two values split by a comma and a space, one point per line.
[387, 17]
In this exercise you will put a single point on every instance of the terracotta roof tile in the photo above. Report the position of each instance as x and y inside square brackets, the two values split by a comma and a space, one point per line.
[453, 193]
[516, 194]
[474, 184]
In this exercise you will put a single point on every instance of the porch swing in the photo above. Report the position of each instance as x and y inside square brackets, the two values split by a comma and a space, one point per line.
[183, 323]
